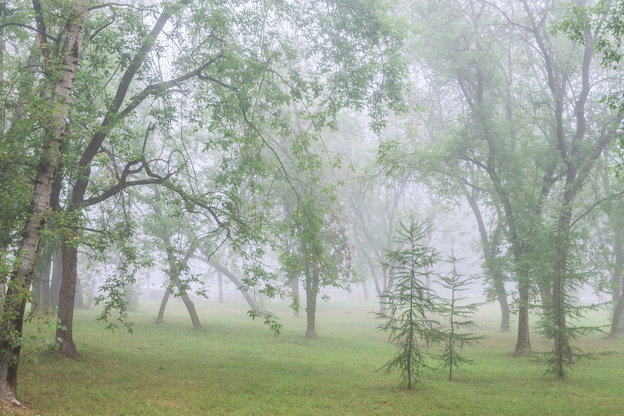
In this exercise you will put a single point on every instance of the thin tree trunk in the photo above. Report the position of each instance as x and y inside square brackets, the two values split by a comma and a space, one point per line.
[501, 296]
[41, 283]
[57, 275]
[2, 281]
[294, 287]
[220, 283]
[190, 306]
[163, 305]
[617, 289]
[78, 299]
[616, 328]
[239, 285]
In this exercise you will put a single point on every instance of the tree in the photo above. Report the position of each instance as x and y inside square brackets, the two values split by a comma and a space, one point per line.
[409, 307]
[524, 145]
[458, 317]
[321, 254]
[606, 20]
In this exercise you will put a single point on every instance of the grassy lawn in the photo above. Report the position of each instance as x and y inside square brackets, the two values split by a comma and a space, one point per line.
[237, 367]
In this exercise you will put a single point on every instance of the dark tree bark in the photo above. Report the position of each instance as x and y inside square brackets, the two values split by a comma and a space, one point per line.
[523, 343]
[66, 302]
[312, 289]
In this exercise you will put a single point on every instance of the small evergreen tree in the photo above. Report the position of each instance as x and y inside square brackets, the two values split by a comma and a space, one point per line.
[411, 303]
[458, 317]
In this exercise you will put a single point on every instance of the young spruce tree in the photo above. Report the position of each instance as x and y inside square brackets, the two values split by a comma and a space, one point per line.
[411, 303]
[458, 316]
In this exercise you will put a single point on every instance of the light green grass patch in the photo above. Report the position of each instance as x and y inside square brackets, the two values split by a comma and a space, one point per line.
[236, 367]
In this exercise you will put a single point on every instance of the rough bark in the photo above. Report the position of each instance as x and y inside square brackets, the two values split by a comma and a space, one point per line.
[523, 343]
[64, 331]
[15, 303]
[312, 287]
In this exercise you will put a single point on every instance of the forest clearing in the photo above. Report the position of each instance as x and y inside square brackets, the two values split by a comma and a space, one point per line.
[237, 367]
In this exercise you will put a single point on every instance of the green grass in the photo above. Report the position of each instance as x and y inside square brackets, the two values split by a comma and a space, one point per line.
[236, 367]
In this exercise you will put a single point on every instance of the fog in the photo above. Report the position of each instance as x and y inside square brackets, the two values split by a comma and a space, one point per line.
[304, 153]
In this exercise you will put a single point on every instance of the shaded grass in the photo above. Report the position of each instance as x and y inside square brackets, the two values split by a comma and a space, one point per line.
[237, 367]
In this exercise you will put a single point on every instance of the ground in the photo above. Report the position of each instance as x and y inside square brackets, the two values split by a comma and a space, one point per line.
[237, 367]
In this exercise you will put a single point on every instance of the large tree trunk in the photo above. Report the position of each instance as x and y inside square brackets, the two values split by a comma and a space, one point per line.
[312, 287]
[14, 305]
[66, 301]
[523, 344]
